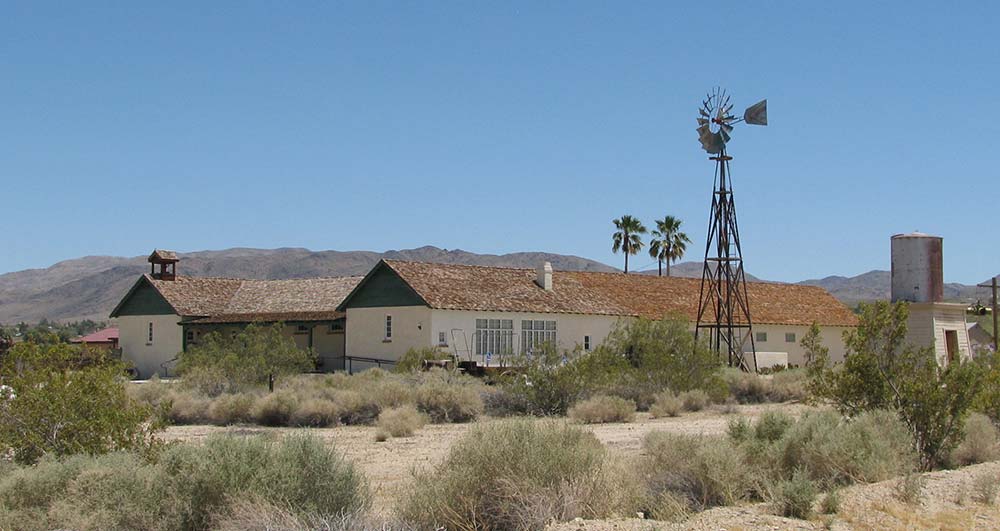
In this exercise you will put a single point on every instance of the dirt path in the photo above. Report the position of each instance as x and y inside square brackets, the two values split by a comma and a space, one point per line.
[388, 465]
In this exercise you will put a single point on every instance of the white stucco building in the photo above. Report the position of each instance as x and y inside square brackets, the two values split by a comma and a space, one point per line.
[486, 313]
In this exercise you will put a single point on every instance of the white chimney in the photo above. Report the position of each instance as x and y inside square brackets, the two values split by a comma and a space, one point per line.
[544, 279]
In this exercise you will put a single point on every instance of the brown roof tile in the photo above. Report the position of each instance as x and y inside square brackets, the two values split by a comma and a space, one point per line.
[460, 287]
[235, 300]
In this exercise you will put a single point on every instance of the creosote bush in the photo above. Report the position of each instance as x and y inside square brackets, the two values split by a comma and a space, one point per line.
[186, 488]
[519, 474]
[601, 409]
[65, 400]
[694, 400]
[703, 471]
[796, 496]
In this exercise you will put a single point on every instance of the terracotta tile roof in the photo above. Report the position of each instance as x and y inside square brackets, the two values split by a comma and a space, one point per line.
[242, 300]
[163, 255]
[461, 287]
[107, 335]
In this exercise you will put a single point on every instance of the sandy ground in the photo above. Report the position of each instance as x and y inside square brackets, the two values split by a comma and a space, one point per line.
[948, 502]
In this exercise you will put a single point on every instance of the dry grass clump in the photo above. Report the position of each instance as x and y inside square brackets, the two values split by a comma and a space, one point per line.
[500, 402]
[255, 514]
[232, 409]
[981, 443]
[402, 421]
[315, 413]
[910, 488]
[782, 386]
[519, 474]
[703, 471]
[276, 409]
[444, 402]
[694, 400]
[188, 408]
[985, 487]
[184, 489]
[666, 404]
[603, 408]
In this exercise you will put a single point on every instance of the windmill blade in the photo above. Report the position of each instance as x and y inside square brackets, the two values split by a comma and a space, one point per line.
[724, 135]
[727, 128]
[702, 121]
[702, 112]
[756, 114]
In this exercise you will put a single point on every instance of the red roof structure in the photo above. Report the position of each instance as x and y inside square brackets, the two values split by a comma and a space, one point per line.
[108, 335]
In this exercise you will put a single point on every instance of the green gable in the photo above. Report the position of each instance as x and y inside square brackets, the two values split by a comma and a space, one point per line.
[382, 287]
[143, 299]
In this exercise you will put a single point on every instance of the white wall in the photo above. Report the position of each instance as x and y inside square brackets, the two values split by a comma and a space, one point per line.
[831, 336]
[570, 328]
[928, 323]
[411, 328]
[133, 331]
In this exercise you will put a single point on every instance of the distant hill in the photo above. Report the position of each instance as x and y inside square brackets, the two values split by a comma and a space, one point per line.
[876, 285]
[89, 287]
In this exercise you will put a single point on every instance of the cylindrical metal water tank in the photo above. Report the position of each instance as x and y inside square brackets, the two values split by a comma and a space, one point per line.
[917, 271]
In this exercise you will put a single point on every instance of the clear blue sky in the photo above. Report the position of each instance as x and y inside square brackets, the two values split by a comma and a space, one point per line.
[495, 127]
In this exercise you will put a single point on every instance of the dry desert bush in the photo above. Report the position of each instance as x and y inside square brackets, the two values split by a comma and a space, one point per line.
[520, 474]
[981, 442]
[666, 404]
[401, 421]
[185, 488]
[601, 409]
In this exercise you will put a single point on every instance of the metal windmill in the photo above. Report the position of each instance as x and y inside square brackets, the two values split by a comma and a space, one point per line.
[723, 309]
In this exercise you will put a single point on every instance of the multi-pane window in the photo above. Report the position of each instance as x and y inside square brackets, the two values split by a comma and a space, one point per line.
[536, 333]
[494, 336]
[149, 340]
[790, 337]
[586, 343]
[762, 337]
[442, 339]
[388, 327]
[337, 326]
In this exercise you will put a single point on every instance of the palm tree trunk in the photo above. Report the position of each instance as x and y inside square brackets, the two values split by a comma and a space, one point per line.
[626, 262]
[668, 259]
[659, 268]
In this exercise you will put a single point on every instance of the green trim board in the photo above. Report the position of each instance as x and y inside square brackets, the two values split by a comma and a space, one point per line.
[143, 299]
[381, 287]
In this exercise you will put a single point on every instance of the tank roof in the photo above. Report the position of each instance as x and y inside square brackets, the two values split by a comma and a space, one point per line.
[914, 234]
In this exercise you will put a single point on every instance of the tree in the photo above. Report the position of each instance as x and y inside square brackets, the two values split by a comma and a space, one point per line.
[222, 363]
[62, 400]
[626, 238]
[668, 243]
[880, 371]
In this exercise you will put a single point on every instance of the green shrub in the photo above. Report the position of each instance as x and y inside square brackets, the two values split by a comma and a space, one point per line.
[315, 413]
[601, 409]
[796, 496]
[667, 404]
[740, 430]
[833, 451]
[772, 426]
[704, 471]
[402, 421]
[222, 363]
[68, 400]
[232, 409]
[981, 442]
[746, 388]
[255, 514]
[694, 400]
[276, 409]
[788, 385]
[518, 474]
[881, 371]
[299, 473]
[831, 502]
[443, 402]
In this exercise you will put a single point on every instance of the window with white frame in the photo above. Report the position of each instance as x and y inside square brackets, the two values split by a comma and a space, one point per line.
[442, 339]
[494, 336]
[761, 337]
[586, 343]
[388, 327]
[149, 339]
[790, 337]
[536, 333]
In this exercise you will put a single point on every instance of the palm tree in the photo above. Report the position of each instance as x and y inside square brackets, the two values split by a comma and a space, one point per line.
[668, 243]
[626, 237]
